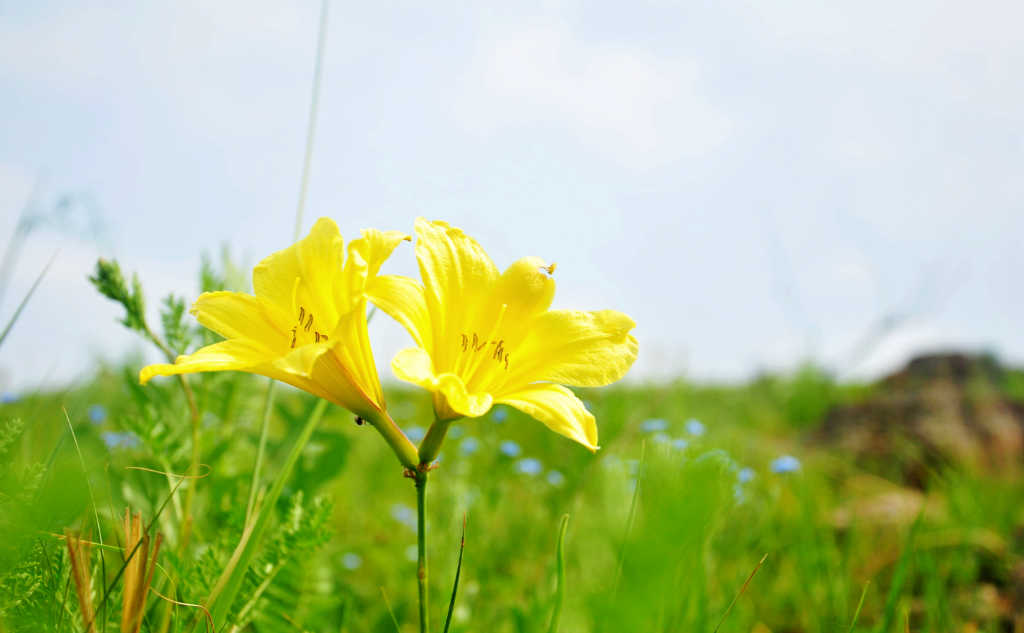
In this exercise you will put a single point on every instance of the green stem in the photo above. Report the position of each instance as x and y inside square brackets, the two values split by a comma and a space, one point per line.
[431, 444]
[404, 449]
[421, 548]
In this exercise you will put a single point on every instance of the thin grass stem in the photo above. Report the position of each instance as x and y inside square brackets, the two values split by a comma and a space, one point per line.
[629, 519]
[268, 404]
[28, 295]
[458, 572]
[391, 612]
[556, 613]
[742, 590]
[314, 105]
[860, 605]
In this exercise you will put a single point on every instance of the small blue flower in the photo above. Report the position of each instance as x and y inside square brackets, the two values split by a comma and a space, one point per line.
[661, 438]
[469, 445]
[745, 475]
[694, 427]
[499, 415]
[351, 560]
[404, 515]
[124, 439]
[588, 405]
[680, 444]
[785, 464]
[556, 478]
[9, 398]
[415, 434]
[529, 466]
[653, 425]
[97, 414]
[509, 448]
[456, 431]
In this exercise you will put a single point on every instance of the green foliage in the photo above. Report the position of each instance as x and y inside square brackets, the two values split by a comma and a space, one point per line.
[810, 394]
[333, 519]
[110, 282]
[9, 434]
[177, 333]
[276, 583]
[226, 274]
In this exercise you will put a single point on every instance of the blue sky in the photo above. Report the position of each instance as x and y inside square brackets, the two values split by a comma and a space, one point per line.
[755, 183]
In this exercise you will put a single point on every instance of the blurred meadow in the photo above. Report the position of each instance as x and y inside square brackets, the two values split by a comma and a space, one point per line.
[811, 212]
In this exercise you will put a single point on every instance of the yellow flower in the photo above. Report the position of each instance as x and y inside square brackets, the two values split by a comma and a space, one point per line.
[306, 324]
[485, 337]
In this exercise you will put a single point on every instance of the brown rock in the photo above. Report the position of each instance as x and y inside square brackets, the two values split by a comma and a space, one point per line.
[941, 409]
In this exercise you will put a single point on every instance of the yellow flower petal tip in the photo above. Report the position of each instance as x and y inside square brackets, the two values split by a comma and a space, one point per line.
[305, 324]
[485, 337]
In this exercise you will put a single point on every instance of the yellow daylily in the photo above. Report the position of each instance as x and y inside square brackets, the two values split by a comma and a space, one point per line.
[305, 325]
[484, 337]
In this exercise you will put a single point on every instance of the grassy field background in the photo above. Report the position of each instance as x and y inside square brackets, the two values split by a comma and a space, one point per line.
[666, 522]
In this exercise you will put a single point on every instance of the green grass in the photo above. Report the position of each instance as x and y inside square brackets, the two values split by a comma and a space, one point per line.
[341, 529]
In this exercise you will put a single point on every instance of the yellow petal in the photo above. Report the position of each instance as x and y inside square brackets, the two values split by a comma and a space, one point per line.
[523, 291]
[526, 287]
[413, 365]
[366, 254]
[452, 399]
[315, 260]
[570, 347]
[402, 299]
[316, 368]
[239, 354]
[352, 348]
[458, 278]
[459, 399]
[559, 409]
[300, 361]
[239, 315]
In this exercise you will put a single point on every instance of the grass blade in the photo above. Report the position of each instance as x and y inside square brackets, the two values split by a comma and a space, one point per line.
[630, 519]
[556, 614]
[230, 582]
[391, 612]
[149, 526]
[742, 590]
[899, 578]
[92, 500]
[860, 605]
[28, 295]
[314, 105]
[458, 571]
[268, 404]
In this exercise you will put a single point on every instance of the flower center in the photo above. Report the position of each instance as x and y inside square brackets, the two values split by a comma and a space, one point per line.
[475, 345]
[303, 332]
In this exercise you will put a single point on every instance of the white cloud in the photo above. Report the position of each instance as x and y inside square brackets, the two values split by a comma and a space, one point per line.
[635, 107]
